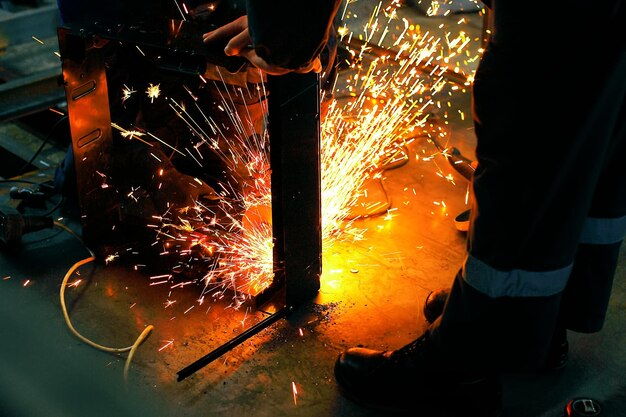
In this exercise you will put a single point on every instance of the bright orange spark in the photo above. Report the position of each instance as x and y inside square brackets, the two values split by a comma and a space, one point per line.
[153, 91]
[126, 93]
[75, 283]
[110, 258]
[167, 344]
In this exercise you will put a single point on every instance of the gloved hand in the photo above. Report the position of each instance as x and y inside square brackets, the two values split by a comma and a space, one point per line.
[240, 44]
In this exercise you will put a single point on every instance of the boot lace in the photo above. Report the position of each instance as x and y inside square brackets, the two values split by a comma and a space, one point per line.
[410, 354]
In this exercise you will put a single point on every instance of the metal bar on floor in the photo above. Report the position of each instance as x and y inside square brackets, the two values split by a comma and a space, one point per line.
[232, 343]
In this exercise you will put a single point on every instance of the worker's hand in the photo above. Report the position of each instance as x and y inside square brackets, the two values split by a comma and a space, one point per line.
[240, 44]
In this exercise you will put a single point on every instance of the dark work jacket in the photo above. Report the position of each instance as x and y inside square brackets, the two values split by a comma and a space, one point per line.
[289, 33]
[571, 24]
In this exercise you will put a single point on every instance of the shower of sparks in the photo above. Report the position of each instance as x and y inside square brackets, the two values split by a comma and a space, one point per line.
[26, 283]
[37, 40]
[384, 104]
[153, 91]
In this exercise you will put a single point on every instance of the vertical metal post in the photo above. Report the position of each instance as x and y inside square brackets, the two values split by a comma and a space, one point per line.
[294, 131]
[87, 98]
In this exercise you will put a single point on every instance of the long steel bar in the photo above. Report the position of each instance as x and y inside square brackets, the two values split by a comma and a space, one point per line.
[232, 343]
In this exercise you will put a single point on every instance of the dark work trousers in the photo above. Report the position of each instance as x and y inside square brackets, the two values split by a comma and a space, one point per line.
[549, 206]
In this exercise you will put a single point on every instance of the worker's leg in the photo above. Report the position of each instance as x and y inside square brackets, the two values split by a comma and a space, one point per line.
[586, 296]
[533, 191]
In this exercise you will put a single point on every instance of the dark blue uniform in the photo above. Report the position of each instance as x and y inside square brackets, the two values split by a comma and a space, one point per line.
[549, 211]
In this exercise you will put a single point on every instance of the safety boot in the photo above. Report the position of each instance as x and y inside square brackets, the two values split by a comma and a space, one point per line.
[558, 352]
[410, 379]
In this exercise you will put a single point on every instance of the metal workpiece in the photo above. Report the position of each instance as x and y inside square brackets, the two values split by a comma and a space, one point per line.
[294, 129]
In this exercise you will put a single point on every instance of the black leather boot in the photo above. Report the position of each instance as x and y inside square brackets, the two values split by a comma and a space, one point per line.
[558, 353]
[408, 379]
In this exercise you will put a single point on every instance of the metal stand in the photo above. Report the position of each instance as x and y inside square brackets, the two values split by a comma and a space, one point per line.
[294, 130]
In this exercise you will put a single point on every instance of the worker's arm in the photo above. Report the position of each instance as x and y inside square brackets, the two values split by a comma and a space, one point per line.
[279, 36]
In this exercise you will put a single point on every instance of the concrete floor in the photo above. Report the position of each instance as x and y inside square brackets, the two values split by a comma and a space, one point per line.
[371, 293]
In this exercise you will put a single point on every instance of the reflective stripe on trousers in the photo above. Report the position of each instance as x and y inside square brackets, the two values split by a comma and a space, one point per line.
[521, 283]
